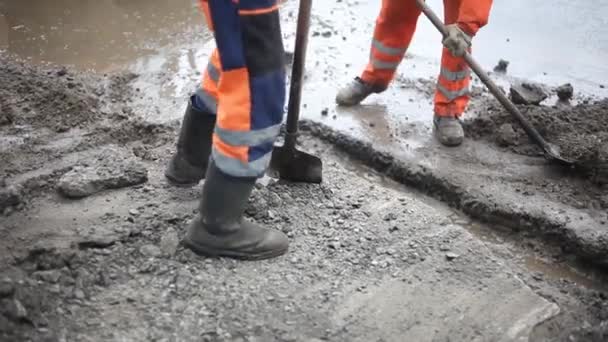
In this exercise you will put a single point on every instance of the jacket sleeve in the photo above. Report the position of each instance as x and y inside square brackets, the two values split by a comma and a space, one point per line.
[473, 15]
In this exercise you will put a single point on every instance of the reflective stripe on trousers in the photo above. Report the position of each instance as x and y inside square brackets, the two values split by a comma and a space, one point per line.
[244, 83]
[452, 93]
[393, 33]
[385, 57]
[207, 92]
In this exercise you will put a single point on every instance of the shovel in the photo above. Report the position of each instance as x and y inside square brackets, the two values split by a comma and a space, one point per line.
[286, 161]
[551, 151]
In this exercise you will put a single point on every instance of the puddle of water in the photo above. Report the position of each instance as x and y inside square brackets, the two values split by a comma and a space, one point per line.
[92, 34]
[586, 278]
[575, 272]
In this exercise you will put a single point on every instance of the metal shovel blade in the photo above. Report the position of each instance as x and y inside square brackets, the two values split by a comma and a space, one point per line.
[552, 152]
[296, 166]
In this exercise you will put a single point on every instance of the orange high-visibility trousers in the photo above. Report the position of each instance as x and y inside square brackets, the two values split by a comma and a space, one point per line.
[395, 27]
[243, 84]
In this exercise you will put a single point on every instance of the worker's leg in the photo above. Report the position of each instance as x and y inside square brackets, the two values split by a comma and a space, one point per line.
[395, 27]
[452, 93]
[189, 164]
[251, 96]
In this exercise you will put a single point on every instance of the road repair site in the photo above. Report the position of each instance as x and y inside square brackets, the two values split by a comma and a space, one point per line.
[404, 239]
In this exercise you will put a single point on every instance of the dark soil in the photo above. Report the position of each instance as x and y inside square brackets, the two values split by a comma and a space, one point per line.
[579, 132]
[51, 97]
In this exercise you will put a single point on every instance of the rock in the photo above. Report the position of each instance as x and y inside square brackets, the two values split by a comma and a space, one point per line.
[10, 196]
[79, 294]
[451, 256]
[20, 311]
[51, 276]
[183, 278]
[527, 94]
[501, 66]
[113, 169]
[390, 217]
[62, 72]
[506, 135]
[169, 242]
[604, 202]
[150, 251]
[325, 112]
[565, 92]
[274, 200]
[99, 240]
[13, 309]
[6, 288]
[5, 118]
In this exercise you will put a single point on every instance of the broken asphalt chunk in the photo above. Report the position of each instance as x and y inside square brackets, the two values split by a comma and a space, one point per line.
[114, 168]
[527, 94]
[565, 92]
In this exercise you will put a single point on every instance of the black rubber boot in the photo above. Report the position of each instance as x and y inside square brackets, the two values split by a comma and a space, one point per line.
[189, 164]
[220, 230]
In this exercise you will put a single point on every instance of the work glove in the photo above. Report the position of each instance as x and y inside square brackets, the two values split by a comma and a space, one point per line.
[456, 41]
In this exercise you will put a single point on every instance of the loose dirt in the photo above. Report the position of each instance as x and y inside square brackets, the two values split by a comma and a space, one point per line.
[52, 113]
[56, 99]
[579, 132]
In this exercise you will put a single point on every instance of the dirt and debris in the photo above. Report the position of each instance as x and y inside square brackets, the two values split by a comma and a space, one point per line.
[578, 131]
[108, 264]
[40, 98]
[119, 255]
[559, 208]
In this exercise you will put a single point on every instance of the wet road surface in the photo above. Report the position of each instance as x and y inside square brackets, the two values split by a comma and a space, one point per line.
[167, 46]
[89, 34]
[571, 44]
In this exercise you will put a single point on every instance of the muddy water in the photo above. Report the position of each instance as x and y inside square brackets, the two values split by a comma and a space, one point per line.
[92, 34]
[574, 272]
